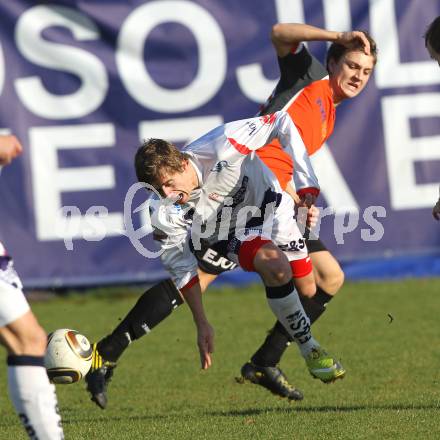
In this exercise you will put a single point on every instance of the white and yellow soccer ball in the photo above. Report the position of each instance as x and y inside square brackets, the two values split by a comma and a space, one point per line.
[68, 356]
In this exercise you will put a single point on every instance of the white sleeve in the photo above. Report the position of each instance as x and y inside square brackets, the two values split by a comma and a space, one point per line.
[171, 232]
[178, 259]
[251, 134]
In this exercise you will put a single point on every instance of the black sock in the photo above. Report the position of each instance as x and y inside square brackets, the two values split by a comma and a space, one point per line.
[25, 360]
[315, 306]
[312, 308]
[151, 308]
[273, 347]
[278, 338]
[277, 341]
[280, 291]
[322, 297]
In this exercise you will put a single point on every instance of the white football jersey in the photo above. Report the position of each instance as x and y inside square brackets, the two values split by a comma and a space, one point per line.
[235, 187]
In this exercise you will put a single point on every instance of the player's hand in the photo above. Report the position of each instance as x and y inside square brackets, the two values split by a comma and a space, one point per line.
[349, 39]
[305, 210]
[10, 148]
[307, 200]
[312, 216]
[436, 210]
[205, 342]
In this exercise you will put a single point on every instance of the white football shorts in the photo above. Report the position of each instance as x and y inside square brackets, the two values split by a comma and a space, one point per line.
[13, 303]
[282, 229]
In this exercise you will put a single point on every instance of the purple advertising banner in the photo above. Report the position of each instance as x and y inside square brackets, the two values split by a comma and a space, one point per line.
[82, 83]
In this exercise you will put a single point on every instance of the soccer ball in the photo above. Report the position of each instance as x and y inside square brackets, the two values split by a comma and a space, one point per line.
[68, 356]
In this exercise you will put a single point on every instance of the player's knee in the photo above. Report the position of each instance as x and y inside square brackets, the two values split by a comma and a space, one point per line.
[339, 281]
[331, 282]
[307, 289]
[272, 265]
[32, 342]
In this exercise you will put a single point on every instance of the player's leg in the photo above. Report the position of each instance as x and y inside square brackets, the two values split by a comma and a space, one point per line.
[329, 278]
[151, 309]
[286, 235]
[328, 274]
[274, 268]
[156, 304]
[31, 393]
[205, 279]
[263, 368]
[23, 335]
[278, 339]
[316, 291]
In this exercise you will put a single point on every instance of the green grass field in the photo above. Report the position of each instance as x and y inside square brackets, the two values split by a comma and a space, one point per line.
[392, 388]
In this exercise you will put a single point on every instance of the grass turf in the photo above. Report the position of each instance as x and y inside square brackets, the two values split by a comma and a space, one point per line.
[391, 390]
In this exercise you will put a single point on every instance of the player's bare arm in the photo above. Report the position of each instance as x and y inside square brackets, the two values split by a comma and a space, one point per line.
[305, 201]
[205, 333]
[286, 36]
[10, 148]
[292, 193]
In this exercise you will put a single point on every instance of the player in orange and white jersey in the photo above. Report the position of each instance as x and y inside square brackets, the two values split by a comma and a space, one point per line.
[310, 93]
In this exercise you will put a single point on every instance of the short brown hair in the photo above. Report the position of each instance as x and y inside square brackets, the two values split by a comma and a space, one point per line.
[432, 35]
[156, 156]
[336, 51]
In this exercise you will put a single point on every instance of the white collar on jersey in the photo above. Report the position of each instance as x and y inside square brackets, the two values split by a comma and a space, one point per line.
[193, 162]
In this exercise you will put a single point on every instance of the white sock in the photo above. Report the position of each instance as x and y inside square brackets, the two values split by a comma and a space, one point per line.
[290, 313]
[34, 397]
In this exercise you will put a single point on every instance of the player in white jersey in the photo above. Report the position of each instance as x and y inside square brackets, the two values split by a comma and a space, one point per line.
[233, 179]
[31, 393]
[300, 73]
[220, 180]
[217, 177]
